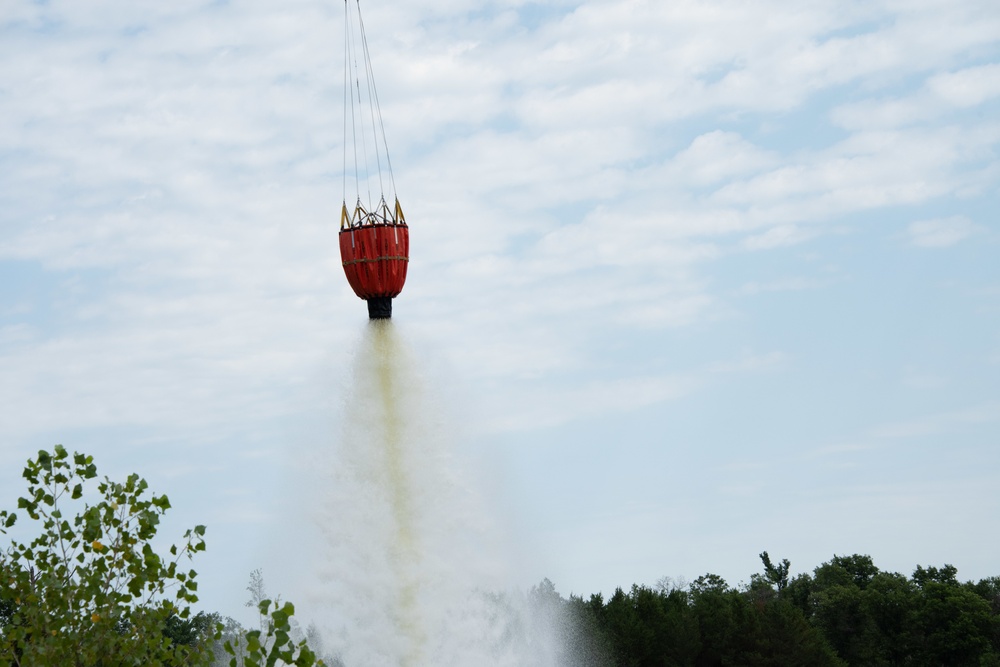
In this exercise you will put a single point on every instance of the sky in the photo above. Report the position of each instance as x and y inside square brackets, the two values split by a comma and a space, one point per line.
[689, 280]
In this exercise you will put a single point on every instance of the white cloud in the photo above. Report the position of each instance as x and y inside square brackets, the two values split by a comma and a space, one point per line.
[940, 232]
[776, 237]
[716, 157]
[198, 152]
[941, 94]
[967, 87]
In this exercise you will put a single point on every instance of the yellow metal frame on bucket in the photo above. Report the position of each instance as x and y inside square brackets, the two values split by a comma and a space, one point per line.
[362, 217]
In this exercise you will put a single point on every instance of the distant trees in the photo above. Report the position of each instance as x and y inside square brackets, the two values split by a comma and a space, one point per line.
[710, 624]
[847, 612]
[880, 618]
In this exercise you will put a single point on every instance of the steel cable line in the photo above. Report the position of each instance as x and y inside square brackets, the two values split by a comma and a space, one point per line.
[355, 40]
[376, 106]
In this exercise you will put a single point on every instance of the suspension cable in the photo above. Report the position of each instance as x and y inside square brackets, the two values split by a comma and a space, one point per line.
[347, 25]
[375, 100]
[361, 120]
[348, 86]
[355, 39]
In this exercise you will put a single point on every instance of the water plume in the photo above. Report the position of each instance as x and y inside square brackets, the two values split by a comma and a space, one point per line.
[409, 570]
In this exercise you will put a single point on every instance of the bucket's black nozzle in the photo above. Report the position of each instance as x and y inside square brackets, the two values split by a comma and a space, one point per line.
[380, 308]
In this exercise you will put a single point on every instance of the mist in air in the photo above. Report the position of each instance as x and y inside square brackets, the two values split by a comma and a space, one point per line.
[409, 566]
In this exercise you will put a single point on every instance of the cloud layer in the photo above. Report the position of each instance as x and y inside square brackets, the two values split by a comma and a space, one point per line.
[610, 202]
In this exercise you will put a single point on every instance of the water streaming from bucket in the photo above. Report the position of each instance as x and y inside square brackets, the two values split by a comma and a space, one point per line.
[402, 540]
[410, 570]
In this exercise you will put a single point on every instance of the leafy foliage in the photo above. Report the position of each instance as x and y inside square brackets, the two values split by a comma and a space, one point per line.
[776, 575]
[274, 644]
[91, 590]
[90, 587]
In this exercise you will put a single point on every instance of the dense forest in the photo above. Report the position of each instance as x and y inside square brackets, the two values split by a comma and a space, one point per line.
[90, 591]
[847, 612]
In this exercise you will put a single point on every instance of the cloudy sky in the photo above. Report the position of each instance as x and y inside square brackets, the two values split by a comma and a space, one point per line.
[690, 279]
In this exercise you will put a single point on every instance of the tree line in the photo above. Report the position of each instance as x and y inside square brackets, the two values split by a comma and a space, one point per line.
[90, 591]
[847, 612]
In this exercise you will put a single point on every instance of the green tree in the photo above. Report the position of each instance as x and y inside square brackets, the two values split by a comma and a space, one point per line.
[864, 613]
[878, 619]
[715, 606]
[191, 631]
[989, 590]
[90, 590]
[586, 642]
[7, 607]
[274, 644]
[838, 613]
[708, 583]
[888, 604]
[860, 568]
[776, 575]
[955, 625]
[630, 639]
[947, 575]
[648, 628]
[756, 626]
